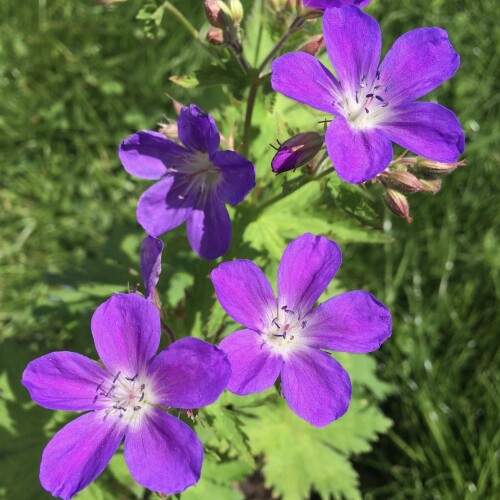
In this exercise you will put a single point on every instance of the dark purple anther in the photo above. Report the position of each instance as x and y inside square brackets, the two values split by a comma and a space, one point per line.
[116, 377]
[133, 378]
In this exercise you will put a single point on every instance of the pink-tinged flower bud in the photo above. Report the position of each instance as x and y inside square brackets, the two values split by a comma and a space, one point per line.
[430, 185]
[215, 36]
[169, 130]
[313, 46]
[217, 13]
[398, 203]
[401, 181]
[297, 151]
[435, 168]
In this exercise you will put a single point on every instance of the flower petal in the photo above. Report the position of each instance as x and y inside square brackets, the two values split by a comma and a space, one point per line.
[190, 373]
[308, 264]
[315, 386]
[163, 454]
[427, 129]
[126, 330]
[197, 130]
[78, 453]
[418, 62]
[325, 4]
[64, 381]
[148, 154]
[165, 205]
[353, 42]
[209, 228]
[303, 78]
[151, 249]
[254, 366]
[245, 293]
[238, 176]
[358, 155]
[350, 322]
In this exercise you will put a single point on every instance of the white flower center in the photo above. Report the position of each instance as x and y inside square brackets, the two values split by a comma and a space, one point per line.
[286, 332]
[125, 398]
[366, 105]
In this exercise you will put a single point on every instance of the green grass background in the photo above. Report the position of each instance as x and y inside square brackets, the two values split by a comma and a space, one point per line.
[76, 78]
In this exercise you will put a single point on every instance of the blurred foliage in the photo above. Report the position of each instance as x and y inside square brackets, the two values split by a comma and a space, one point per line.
[76, 78]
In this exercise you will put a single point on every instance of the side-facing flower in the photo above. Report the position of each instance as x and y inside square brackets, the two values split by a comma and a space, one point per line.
[325, 4]
[150, 265]
[284, 337]
[373, 105]
[297, 151]
[195, 181]
[127, 398]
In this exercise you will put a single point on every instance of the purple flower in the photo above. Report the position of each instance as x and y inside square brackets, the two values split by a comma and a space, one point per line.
[325, 4]
[284, 337]
[194, 181]
[151, 249]
[123, 400]
[372, 104]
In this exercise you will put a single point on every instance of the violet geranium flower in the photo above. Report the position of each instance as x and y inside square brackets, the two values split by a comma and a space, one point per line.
[195, 181]
[284, 337]
[325, 4]
[373, 105]
[126, 399]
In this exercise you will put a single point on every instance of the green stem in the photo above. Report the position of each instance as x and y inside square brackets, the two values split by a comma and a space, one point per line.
[187, 24]
[296, 24]
[252, 94]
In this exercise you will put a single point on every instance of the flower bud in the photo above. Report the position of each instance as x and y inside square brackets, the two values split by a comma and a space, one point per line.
[215, 36]
[313, 45]
[398, 203]
[401, 181]
[435, 169]
[236, 11]
[217, 13]
[297, 151]
[430, 185]
[169, 130]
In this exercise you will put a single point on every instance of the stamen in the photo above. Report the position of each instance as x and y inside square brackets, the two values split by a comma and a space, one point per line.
[377, 76]
[95, 398]
[369, 95]
[303, 324]
[116, 377]
[366, 109]
[275, 322]
[99, 386]
[141, 398]
[379, 98]
[136, 408]
[143, 386]
[133, 378]
[112, 388]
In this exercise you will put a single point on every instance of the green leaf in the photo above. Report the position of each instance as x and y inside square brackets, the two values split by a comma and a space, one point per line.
[185, 81]
[319, 458]
[217, 480]
[222, 430]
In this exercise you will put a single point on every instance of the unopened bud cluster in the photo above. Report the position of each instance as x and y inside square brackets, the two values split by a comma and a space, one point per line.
[225, 18]
[416, 174]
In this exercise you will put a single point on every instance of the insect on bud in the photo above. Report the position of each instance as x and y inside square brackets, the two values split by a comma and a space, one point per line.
[398, 204]
[297, 151]
[313, 45]
[400, 180]
[215, 36]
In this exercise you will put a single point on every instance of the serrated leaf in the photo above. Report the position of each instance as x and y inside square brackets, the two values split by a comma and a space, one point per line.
[319, 458]
[223, 430]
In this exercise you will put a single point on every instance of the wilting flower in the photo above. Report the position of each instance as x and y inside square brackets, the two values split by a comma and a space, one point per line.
[126, 398]
[284, 337]
[325, 4]
[372, 104]
[297, 151]
[194, 181]
[150, 264]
